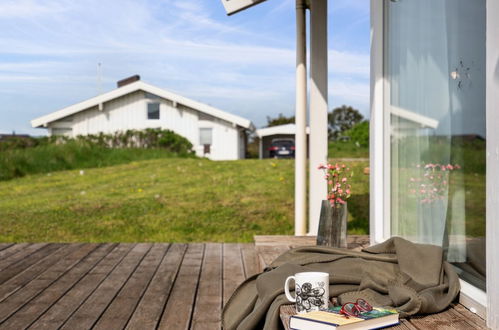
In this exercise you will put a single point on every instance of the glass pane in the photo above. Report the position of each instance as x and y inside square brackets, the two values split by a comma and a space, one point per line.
[205, 136]
[435, 69]
[152, 110]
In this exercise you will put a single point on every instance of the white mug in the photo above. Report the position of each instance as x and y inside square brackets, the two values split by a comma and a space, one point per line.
[311, 291]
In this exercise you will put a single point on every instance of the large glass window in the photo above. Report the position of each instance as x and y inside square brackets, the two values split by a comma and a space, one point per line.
[435, 70]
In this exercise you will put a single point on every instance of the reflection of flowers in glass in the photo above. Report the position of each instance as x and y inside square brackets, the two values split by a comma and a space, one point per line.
[432, 183]
[337, 176]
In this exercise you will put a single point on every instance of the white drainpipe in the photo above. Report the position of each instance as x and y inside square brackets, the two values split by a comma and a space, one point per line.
[301, 121]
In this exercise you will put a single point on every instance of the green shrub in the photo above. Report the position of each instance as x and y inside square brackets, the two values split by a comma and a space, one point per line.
[48, 154]
[359, 134]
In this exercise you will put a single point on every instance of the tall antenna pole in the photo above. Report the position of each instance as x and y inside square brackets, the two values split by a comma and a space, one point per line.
[99, 78]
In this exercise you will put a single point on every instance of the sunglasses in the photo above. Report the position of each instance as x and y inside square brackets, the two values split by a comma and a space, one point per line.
[355, 309]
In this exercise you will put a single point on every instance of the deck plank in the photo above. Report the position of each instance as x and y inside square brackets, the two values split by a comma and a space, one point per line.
[120, 310]
[250, 260]
[233, 270]
[21, 279]
[90, 311]
[78, 264]
[4, 254]
[470, 317]
[148, 312]
[33, 288]
[4, 246]
[208, 307]
[440, 321]
[22, 257]
[178, 310]
[54, 317]
[17, 267]
[267, 254]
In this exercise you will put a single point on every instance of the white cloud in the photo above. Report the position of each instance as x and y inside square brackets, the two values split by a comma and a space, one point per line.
[11, 9]
[351, 91]
[344, 62]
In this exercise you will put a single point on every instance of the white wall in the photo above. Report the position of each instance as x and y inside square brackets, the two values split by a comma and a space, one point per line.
[130, 112]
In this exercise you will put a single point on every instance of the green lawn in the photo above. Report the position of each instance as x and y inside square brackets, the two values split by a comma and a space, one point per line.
[173, 200]
[347, 149]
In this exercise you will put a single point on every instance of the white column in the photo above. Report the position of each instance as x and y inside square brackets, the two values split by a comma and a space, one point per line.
[301, 120]
[492, 207]
[379, 227]
[318, 110]
[260, 147]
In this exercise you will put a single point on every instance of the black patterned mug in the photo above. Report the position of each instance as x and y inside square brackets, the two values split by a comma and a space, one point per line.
[311, 291]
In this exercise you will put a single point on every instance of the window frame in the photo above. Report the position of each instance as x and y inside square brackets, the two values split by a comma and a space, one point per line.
[159, 110]
[211, 135]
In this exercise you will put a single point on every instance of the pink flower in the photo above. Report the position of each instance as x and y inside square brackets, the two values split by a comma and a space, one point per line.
[340, 191]
[443, 168]
[341, 201]
[422, 191]
[344, 180]
[330, 182]
[348, 191]
[343, 166]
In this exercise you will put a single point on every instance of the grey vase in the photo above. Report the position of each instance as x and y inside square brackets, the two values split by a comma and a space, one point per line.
[333, 225]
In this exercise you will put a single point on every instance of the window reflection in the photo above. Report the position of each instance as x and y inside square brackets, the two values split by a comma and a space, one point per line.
[435, 68]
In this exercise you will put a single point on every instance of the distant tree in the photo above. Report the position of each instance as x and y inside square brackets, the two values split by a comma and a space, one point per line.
[342, 119]
[280, 120]
[359, 134]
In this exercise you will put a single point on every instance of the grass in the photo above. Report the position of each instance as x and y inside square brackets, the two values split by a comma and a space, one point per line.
[162, 200]
[71, 155]
[347, 149]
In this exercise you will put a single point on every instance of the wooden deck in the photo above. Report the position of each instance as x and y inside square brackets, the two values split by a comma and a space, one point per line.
[138, 286]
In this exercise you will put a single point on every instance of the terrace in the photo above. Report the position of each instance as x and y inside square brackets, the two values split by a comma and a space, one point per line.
[180, 286]
[148, 286]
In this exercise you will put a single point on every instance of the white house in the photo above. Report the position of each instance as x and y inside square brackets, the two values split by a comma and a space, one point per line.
[214, 133]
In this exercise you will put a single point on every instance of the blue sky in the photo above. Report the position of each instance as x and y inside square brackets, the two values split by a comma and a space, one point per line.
[243, 64]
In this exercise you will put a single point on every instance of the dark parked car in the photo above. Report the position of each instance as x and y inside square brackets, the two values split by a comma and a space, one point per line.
[281, 148]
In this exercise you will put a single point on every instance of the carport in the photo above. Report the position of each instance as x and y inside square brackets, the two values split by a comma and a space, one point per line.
[268, 134]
